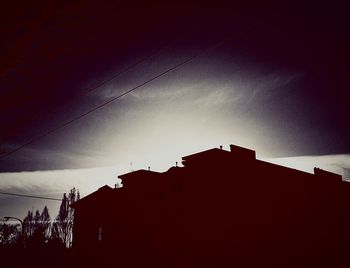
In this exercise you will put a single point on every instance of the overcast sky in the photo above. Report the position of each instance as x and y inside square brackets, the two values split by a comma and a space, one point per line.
[270, 78]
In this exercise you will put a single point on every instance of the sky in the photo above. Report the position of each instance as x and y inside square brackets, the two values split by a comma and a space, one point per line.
[270, 78]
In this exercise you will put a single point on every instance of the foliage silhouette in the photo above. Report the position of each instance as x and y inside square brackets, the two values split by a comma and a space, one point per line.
[62, 228]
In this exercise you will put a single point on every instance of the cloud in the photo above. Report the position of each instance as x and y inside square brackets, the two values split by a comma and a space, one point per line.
[225, 80]
[269, 85]
[240, 88]
[339, 163]
[58, 181]
[52, 184]
[346, 172]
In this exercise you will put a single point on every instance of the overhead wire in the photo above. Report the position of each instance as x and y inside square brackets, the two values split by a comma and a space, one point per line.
[31, 196]
[123, 71]
[88, 90]
[133, 65]
[65, 124]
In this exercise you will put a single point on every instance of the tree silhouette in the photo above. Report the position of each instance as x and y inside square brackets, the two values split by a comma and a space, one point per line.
[45, 223]
[63, 226]
[8, 234]
[37, 228]
[28, 225]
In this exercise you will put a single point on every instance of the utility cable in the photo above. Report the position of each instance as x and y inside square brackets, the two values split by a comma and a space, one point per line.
[112, 99]
[31, 196]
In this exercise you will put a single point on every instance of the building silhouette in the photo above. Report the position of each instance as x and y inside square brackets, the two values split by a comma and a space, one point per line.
[221, 209]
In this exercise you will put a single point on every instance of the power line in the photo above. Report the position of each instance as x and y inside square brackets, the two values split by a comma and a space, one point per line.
[113, 99]
[31, 196]
[125, 70]
[130, 67]
[88, 90]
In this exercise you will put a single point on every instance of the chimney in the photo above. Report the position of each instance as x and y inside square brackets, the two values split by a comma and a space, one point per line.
[242, 153]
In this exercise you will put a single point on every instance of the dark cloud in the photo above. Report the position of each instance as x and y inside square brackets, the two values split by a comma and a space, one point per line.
[287, 65]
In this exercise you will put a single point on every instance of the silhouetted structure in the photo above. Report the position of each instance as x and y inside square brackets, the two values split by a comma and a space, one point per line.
[220, 210]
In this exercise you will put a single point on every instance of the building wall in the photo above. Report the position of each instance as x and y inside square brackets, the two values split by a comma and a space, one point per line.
[219, 211]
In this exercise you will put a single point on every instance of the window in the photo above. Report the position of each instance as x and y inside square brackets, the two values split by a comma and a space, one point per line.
[99, 234]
